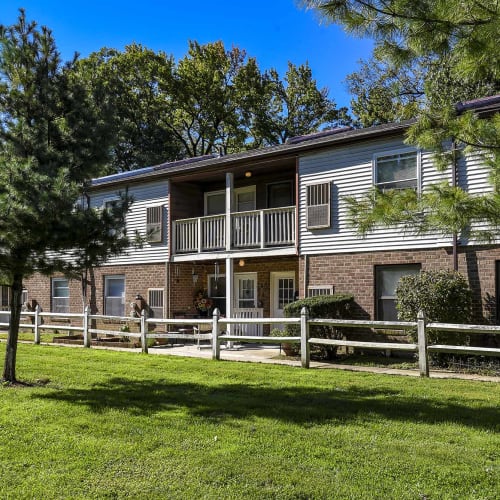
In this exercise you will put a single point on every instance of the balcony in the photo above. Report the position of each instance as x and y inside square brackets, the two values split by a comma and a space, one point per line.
[269, 228]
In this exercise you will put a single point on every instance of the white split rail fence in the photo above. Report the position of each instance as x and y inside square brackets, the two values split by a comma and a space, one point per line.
[217, 334]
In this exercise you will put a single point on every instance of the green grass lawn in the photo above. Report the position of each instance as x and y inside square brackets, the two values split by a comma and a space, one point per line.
[102, 424]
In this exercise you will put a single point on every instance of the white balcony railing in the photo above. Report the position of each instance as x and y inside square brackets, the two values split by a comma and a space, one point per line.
[273, 227]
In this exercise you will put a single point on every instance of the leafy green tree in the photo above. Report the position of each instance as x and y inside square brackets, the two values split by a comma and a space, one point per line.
[460, 42]
[294, 106]
[52, 143]
[132, 90]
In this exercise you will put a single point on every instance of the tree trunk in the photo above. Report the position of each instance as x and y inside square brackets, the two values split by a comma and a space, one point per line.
[9, 370]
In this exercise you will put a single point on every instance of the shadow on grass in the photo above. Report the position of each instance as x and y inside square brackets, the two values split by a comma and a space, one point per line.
[301, 405]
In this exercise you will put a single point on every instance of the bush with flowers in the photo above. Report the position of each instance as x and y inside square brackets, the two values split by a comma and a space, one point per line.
[201, 302]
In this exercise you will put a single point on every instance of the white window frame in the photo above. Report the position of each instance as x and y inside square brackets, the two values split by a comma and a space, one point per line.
[59, 308]
[154, 230]
[278, 183]
[212, 193]
[247, 189]
[400, 151]
[326, 206]
[413, 268]
[318, 290]
[106, 296]
[153, 293]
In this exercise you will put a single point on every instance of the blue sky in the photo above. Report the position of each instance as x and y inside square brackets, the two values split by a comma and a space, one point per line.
[272, 31]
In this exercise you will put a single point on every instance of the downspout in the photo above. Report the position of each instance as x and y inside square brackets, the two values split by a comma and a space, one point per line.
[168, 267]
[454, 184]
[306, 273]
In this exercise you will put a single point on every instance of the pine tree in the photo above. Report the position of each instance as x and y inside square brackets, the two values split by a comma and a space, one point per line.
[51, 145]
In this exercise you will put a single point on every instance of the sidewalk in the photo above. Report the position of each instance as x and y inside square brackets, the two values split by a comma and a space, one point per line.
[261, 353]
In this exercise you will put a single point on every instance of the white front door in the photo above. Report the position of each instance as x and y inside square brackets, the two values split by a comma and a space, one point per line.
[282, 292]
[246, 303]
[245, 290]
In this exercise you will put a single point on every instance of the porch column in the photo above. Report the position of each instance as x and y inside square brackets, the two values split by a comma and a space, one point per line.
[229, 208]
[229, 293]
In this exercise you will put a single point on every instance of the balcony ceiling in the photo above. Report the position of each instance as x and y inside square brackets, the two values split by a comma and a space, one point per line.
[218, 173]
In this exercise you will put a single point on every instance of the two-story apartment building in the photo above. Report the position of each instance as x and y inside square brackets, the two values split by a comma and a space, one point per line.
[254, 230]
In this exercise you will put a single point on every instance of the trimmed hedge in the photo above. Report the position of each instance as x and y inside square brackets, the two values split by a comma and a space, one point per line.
[336, 306]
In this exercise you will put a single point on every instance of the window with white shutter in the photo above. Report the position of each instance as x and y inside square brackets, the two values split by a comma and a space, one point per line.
[154, 224]
[155, 302]
[318, 205]
[317, 290]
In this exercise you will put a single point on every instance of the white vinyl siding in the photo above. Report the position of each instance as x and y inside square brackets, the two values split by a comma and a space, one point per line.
[147, 195]
[349, 171]
[318, 205]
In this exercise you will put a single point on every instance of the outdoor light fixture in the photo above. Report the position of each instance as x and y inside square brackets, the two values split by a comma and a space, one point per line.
[248, 173]
[241, 263]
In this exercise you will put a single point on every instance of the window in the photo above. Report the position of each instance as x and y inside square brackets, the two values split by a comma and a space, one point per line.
[316, 290]
[154, 224]
[114, 295]
[4, 297]
[386, 282]
[244, 199]
[318, 205]
[155, 302]
[215, 202]
[60, 295]
[396, 171]
[279, 194]
[217, 291]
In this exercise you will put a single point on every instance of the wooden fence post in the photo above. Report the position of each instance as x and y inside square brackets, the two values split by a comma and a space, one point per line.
[144, 340]
[423, 362]
[37, 324]
[215, 334]
[86, 335]
[305, 348]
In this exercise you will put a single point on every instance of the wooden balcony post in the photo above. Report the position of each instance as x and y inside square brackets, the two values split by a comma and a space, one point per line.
[229, 208]
[262, 230]
[199, 235]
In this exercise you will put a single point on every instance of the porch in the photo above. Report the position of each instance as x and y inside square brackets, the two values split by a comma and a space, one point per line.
[267, 228]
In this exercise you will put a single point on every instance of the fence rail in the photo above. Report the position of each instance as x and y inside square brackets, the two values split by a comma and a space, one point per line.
[218, 326]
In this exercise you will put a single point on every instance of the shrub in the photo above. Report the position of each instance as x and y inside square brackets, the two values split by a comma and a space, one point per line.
[337, 306]
[443, 296]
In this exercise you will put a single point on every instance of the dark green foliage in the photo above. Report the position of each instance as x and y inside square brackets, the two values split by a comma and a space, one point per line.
[338, 306]
[428, 55]
[211, 101]
[443, 296]
[52, 143]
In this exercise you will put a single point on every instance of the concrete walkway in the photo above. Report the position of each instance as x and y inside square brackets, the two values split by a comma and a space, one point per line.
[257, 353]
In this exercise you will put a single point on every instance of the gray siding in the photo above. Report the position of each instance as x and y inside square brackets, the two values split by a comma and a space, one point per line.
[349, 169]
[144, 195]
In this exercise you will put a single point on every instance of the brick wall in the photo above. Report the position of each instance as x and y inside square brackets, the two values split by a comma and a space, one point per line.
[355, 273]
[138, 278]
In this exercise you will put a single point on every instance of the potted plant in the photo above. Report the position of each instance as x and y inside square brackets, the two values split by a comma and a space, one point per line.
[202, 303]
[289, 348]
